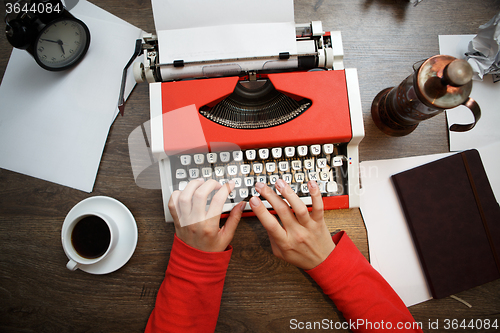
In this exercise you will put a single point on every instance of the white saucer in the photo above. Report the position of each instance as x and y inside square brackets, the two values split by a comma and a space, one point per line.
[127, 230]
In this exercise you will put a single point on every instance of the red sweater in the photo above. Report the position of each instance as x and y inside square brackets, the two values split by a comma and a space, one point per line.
[189, 298]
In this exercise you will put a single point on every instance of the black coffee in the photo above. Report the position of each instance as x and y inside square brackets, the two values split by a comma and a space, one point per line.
[91, 237]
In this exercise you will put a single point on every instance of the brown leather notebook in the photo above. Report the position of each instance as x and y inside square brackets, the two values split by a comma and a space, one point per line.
[454, 220]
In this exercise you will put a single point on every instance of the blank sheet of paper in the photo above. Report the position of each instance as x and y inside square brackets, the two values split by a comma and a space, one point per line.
[485, 93]
[197, 30]
[54, 125]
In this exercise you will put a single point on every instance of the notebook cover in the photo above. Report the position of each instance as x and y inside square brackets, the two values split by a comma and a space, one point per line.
[456, 249]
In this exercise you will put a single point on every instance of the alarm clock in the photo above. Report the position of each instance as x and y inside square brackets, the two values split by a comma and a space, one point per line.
[55, 38]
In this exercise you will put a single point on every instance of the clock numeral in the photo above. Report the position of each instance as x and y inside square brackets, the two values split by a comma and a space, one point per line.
[53, 59]
[71, 51]
[40, 49]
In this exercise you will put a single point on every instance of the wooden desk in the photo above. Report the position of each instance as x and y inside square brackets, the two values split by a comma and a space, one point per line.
[381, 38]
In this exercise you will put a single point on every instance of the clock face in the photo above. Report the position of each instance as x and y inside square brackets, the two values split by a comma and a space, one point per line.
[62, 44]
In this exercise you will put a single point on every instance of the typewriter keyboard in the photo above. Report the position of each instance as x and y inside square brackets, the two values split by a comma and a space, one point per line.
[296, 165]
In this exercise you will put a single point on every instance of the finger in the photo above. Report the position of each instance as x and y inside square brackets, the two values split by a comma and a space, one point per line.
[219, 199]
[185, 203]
[299, 208]
[172, 206]
[268, 221]
[317, 201]
[200, 197]
[229, 228]
[280, 207]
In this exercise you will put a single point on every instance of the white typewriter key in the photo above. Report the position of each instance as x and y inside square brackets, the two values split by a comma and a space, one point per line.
[182, 185]
[337, 161]
[309, 164]
[297, 165]
[313, 175]
[321, 163]
[304, 189]
[289, 151]
[232, 195]
[194, 173]
[225, 157]
[323, 175]
[212, 158]
[232, 170]
[223, 181]
[270, 167]
[287, 177]
[299, 177]
[199, 158]
[245, 169]
[276, 152]
[249, 181]
[261, 179]
[315, 149]
[238, 155]
[207, 172]
[284, 166]
[302, 150]
[250, 154]
[219, 171]
[273, 179]
[331, 187]
[185, 159]
[278, 192]
[254, 192]
[180, 174]
[328, 149]
[263, 153]
[237, 182]
[258, 167]
[243, 192]
[322, 186]
[295, 187]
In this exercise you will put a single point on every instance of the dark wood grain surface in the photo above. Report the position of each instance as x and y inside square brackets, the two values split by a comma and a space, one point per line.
[382, 39]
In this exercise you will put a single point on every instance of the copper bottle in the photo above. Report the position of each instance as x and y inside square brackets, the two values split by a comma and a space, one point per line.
[438, 83]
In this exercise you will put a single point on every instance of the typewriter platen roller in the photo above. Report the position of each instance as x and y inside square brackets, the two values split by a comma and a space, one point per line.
[315, 49]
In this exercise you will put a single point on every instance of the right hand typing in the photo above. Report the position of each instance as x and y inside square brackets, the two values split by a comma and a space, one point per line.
[304, 239]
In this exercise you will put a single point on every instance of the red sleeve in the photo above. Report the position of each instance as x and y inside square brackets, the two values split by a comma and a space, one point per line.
[189, 297]
[366, 300]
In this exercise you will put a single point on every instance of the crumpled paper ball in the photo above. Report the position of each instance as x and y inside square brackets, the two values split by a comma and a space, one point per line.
[484, 49]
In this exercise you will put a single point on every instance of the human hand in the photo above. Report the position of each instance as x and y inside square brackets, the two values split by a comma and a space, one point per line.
[304, 239]
[197, 226]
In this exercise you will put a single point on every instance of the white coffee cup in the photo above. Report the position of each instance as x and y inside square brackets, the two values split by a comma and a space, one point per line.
[88, 238]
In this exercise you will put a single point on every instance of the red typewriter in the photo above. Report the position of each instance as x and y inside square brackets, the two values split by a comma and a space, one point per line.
[291, 116]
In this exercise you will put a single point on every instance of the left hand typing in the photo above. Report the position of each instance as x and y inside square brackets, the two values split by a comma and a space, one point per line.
[197, 226]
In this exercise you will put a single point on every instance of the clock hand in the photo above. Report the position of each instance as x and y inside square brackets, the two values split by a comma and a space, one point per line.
[52, 41]
[61, 45]
[59, 42]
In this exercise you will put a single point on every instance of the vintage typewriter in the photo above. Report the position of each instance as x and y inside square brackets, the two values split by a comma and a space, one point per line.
[291, 116]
